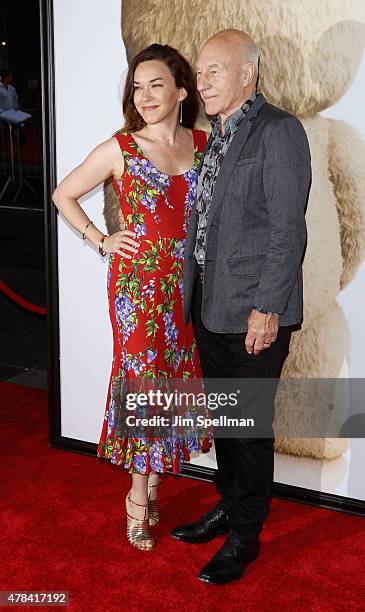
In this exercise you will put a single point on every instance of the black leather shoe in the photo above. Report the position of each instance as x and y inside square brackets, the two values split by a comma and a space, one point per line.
[205, 529]
[230, 562]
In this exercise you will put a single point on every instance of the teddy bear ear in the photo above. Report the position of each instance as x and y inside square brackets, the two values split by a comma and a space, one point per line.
[335, 61]
[165, 22]
[317, 76]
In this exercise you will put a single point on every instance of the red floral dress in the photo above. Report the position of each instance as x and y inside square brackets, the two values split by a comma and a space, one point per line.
[145, 295]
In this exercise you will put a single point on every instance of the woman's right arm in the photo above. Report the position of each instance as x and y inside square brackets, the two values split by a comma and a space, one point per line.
[104, 161]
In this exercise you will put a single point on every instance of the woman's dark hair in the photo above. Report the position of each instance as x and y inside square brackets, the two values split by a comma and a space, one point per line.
[183, 75]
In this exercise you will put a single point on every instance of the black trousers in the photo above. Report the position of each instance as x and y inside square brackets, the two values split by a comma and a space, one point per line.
[245, 465]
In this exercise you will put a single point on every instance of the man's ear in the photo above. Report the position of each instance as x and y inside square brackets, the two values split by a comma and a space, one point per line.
[249, 74]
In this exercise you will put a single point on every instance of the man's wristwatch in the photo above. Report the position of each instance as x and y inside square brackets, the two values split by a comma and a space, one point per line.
[268, 312]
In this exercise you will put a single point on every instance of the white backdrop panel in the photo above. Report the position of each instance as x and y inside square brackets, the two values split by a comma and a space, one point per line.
[89, 65]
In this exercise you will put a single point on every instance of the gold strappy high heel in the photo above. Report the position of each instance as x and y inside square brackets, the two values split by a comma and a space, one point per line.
[137, 529]
[153, 513]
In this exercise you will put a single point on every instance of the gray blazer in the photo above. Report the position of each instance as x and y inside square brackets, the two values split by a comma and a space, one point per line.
[256, 231]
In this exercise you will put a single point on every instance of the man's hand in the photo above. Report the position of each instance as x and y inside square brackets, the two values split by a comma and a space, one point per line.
[262, 331]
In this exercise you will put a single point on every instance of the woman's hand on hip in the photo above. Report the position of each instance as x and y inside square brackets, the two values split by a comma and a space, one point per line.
[122, 242]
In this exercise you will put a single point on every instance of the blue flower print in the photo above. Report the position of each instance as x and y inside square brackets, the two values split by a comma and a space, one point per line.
[156, 457]
[191, 178]
[151, 355]
[179, 249]
[149, 202]
[125, 310]
[171, 332]
[140, 463]
[109, 273]
[111, 416]
[192, 443]
[140, 229]
[135, 363]
[178, 357]
[151, 176]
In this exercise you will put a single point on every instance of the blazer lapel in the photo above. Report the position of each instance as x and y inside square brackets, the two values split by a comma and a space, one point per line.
[227, 166]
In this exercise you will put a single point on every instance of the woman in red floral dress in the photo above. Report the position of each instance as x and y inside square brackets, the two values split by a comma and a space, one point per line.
[145, 273]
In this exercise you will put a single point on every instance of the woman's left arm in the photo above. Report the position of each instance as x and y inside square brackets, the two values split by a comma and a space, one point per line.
[99, 165]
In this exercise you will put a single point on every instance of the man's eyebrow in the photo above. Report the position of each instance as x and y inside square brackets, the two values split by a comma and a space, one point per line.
[209, 66]
[151, 80]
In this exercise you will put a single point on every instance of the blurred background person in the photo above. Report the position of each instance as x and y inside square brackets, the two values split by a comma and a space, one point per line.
[8, 95]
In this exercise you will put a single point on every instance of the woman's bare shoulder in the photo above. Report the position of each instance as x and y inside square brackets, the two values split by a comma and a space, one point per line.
[110, 146]
[111, 150]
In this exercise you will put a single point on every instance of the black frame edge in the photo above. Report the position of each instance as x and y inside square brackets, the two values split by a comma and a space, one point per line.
[50, 217]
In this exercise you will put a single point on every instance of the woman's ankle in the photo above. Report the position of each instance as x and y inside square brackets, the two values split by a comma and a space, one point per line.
[138, 496]
[154, 479]
[139, 488]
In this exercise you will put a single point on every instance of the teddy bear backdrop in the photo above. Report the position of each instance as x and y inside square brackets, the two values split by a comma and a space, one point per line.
[312, 64]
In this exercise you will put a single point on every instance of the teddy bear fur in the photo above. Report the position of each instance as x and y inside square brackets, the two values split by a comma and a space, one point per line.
[309, 55]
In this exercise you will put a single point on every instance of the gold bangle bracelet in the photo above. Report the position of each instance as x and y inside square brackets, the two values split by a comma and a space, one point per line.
[101, 243]
[83, 233]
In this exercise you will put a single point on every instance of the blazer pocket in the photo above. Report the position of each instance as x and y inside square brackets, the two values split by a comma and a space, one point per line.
[245, 161]
[246, 266]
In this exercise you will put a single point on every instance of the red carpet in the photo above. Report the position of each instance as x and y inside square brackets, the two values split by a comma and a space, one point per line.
[63, 526]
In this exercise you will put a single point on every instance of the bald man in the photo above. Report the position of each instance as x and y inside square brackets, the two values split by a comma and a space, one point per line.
[243, 278]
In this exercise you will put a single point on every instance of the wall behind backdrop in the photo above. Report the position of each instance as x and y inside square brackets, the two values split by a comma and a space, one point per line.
[90, 65]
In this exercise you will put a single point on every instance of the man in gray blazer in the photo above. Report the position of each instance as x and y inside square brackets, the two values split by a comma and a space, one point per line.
[243, 275]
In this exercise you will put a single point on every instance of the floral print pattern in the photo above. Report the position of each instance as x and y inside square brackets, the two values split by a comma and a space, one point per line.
[145, 293]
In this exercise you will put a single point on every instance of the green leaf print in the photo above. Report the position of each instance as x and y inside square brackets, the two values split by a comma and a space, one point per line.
[170, 356]
[109, 446]
[166, 287]
[151, 327]
[189, 354]
[133, 318]
[149, 259]
[173, 279]
[133, 284]
[148, 374]
[135, 218]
